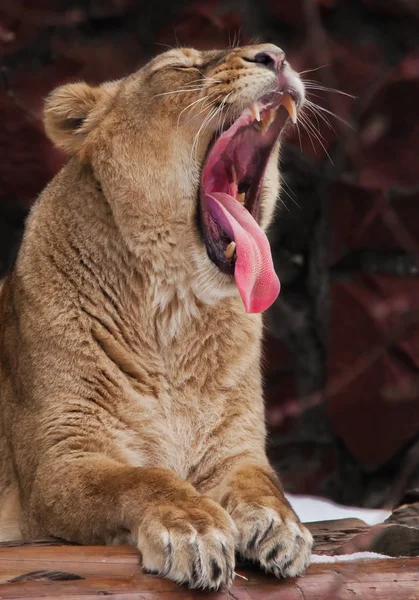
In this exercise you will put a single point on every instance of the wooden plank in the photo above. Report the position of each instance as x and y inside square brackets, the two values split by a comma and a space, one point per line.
[39, 570]
[62, 554]
[395, 579]
[85, 561]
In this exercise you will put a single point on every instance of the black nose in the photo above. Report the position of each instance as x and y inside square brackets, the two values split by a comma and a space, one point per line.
[272, 60]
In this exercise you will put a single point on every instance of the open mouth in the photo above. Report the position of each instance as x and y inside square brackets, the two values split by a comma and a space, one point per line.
[230, 193]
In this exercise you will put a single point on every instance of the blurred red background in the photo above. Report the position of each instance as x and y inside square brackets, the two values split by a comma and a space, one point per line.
[342, 345]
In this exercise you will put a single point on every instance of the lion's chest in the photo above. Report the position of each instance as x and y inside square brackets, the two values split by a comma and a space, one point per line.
[174, 430]
[199, 378]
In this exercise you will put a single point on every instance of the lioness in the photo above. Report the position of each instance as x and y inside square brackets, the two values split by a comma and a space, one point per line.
[130, 341]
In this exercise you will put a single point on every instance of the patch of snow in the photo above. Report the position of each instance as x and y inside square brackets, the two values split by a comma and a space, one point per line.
[318, 558]
[311, 508]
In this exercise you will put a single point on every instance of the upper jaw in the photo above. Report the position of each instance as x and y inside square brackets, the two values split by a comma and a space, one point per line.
[265, 109]
[267, 116]
[288, 92]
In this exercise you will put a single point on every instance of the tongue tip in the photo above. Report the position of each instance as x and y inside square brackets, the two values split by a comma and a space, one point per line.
[257, 303]
[254, 272]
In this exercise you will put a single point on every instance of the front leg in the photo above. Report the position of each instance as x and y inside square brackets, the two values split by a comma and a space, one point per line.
[91, 499]
[270, 532]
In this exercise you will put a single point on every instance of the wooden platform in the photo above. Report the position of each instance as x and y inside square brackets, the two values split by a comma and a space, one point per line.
[51, 570]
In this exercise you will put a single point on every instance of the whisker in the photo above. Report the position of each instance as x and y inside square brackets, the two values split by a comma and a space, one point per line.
[313, 108]
[203, 109]
[318, 136]
[314, 85]
[281, 201]
[299, 136]
[164, 45]
[320, 89]
[312, 127]
[194, 103]
[292, 200]
[203, 76]
[284, 181]
[211, 105]
[313, 95]
[219, 114]
[291, 195]
[314, 115]
[236, 38]
[332, 114]
[205, 122]
[304, 126]
[311, 70]
[196, 89]
[317, 113]
[305, 117]
[226, 113]
[222, 106]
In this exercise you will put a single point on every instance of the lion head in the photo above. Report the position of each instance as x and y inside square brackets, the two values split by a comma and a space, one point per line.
[185, 152]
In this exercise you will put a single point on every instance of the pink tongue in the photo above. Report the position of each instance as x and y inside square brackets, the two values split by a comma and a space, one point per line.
[254, 271]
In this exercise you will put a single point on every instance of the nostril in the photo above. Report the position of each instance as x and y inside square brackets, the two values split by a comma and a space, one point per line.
[272, 60]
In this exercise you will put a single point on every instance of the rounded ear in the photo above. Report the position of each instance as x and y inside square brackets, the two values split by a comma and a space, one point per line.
[66, 114]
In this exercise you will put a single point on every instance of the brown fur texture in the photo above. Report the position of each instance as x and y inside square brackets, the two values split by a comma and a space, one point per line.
[130, 382]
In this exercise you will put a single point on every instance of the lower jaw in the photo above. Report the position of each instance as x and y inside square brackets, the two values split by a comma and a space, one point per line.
[217, 240]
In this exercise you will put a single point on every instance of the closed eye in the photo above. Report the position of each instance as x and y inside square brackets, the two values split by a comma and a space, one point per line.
[186, 67]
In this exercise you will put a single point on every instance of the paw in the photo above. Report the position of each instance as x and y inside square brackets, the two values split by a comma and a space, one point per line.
[190, 542]
[281, 544]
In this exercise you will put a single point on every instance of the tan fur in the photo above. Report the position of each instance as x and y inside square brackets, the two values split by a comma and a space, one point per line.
[131, 395]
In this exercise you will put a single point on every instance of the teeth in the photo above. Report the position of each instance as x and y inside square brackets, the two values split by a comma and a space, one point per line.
[268, 119]
[271, 117]
[255, 111]
[229, 251]
[289, 104]
[241, 197]
[233, 172]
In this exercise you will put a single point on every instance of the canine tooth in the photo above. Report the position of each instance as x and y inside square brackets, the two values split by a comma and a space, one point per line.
[255, 111]
[233, 172]
[241, 197]
[289, 104]
[270, 117]
[273, 114]
[229, 251]
[267, 119]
